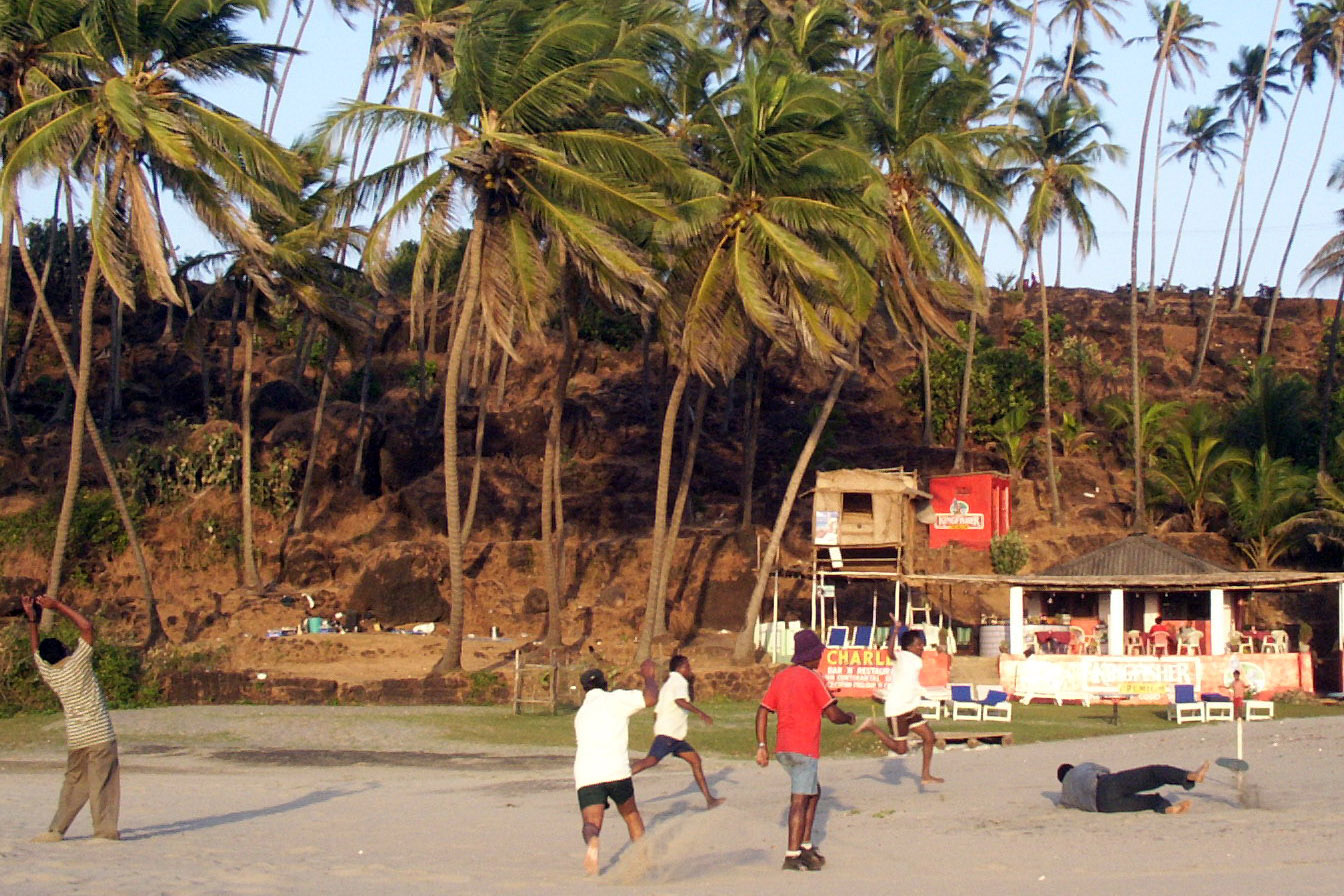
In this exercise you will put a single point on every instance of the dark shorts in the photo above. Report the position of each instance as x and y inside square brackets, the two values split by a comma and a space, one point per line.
[664, 746]
[907, 720]
[619, 792]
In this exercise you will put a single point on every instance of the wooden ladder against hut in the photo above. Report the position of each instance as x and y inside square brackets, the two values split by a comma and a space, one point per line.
[534, 681]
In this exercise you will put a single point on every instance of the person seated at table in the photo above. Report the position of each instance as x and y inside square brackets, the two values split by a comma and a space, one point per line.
[1160, 635]
[1095, 788]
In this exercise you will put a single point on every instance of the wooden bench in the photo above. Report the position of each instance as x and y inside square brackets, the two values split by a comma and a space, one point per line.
[973, 739]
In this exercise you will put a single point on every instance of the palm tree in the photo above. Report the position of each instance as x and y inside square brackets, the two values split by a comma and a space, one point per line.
[1250, 96]
[133, 114]
[1178, 50]
[1191, 467]
[1267, 494]
[1328, 264]
[1061, 146]
[547, 190]
[1320, 38]
[1256, 76]
[922, 115]
[1200, 132]
[769, 249]
[1076, 14]
[1081, 82]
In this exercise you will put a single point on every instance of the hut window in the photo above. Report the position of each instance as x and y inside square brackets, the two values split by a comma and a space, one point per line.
[857, 504]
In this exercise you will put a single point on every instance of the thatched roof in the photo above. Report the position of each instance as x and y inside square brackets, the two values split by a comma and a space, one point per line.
[1136, 555]
[1141, 563]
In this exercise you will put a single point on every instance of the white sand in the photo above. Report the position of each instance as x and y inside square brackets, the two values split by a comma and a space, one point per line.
[485, 820]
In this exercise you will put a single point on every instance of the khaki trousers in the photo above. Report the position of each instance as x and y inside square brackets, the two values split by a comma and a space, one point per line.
[93, 776]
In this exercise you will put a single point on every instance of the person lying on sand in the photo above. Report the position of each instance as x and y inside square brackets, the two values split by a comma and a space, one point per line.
[1095, 788]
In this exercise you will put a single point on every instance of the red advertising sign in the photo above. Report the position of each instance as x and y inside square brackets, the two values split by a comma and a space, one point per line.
[968, 509]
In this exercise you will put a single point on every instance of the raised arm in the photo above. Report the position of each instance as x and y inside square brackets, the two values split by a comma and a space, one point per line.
[650, 683]
[76, 618]
[34, 615]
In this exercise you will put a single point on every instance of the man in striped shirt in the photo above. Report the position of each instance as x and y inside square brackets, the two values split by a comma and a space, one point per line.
[92, 772]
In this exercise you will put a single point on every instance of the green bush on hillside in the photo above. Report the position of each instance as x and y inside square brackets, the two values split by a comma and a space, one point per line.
[126, 678]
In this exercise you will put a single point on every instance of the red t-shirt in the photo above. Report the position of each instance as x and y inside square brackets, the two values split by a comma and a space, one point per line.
[797, 697]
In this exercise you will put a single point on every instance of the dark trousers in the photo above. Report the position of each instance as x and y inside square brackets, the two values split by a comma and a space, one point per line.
[1123, 791]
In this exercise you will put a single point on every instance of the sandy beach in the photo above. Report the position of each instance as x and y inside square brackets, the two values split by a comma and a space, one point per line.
[335, 800]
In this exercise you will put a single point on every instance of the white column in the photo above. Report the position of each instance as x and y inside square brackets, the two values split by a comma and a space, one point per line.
[1015, 620]
[1340, 600]
[1217, 622]
[1115, 624]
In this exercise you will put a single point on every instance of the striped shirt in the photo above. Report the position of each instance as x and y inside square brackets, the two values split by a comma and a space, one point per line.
[86, 720]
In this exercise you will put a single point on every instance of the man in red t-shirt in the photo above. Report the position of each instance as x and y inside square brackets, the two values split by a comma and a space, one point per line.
[799, 698]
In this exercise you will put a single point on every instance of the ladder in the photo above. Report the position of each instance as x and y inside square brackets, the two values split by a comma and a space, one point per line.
[534, 683]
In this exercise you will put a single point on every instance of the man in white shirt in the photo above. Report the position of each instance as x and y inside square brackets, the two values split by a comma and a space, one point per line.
[602, 757]
[669, 726]
[903, 693]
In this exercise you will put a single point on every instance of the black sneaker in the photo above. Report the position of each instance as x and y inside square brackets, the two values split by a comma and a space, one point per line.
[798, 863]
[817, 859]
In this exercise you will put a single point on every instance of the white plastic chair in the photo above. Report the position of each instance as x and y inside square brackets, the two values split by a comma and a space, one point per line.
[1184, 705]
[1133, 643]
[1262, 710]
[964, 704]
[1190, 642]
[1277, 642]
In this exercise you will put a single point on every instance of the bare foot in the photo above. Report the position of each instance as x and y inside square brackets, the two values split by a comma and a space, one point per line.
[48, 837]
[866, 725]
[1178, 808]
[714, 802]
[1198, 774]
[590, 858]
[930, 779]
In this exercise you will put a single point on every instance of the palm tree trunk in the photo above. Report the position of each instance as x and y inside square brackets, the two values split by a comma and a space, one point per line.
[6, 272]
[289, 63]
[743, 649]
[1302, 200]
[653, 599]
[83, 377]
[1264, 207]
[469, 290]
[1328, 380]
[154, 632]
[679, 506]
[926, 384]
[964, 405]
[1211, 314]
[300, 520]
[1180, 230]
[552, 528]
[270, 86]
[751, 438]
[1136, 385]
[1047, 426]
[247, 556]
[16, 377]
[1152, 225]
[112, 406]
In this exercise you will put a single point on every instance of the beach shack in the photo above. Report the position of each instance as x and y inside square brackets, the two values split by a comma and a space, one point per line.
[1138, 616]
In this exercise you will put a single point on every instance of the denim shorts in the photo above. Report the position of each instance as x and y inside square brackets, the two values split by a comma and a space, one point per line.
[802, 772]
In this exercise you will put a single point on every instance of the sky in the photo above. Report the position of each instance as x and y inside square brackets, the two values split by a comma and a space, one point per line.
[334, 53]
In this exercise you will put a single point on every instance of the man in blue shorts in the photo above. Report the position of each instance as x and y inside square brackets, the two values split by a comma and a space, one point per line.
[669, 726]
[602, 757]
